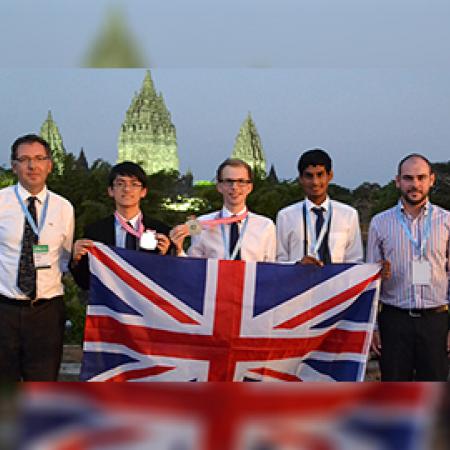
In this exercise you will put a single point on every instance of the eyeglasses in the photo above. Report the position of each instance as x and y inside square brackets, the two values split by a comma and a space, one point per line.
[36, 159]
[240, 182]
[134, 185]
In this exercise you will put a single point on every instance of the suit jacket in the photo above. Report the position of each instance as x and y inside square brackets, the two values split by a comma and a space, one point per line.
[104, 231]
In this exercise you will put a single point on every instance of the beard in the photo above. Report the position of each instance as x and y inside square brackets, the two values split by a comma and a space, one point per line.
[413, 201]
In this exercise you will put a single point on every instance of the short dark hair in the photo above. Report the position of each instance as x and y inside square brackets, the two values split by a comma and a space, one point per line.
[413, 155]
[314, 157]
[29, 139]
[127, 169]
[234, 162]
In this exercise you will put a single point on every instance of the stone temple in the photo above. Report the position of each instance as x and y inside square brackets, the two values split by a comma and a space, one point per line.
[248, 147]
[50, 132]
[147, 136]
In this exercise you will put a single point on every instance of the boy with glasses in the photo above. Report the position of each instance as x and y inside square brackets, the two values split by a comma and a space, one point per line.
[233, 232]
[125, 228]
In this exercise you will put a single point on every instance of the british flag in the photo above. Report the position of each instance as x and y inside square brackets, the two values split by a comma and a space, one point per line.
[153, 318]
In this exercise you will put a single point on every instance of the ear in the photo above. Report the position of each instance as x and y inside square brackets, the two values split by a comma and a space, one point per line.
[330, 175]
[397, 181]
[432, 179]
[219, 187]
[143, 193]
[110, 192]
[14, 167]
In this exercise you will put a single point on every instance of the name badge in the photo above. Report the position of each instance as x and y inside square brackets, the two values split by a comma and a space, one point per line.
[41, 257]
[421, 272]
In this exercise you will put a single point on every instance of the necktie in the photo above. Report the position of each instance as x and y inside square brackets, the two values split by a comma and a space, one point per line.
[324, 251]
[130, 240]
[234, 237]
[26, 276]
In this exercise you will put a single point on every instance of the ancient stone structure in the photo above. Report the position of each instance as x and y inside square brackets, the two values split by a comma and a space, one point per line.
[248, 147]
[147, 135]
[50, 132]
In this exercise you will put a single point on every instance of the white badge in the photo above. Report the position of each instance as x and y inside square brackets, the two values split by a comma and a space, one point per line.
[421, 272]
[148, 240]
[41, 257]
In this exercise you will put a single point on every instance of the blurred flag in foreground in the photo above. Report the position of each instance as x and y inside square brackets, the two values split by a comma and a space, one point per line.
[185, 319]
[228, 416]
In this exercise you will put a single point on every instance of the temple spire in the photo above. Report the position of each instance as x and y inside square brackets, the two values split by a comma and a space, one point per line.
[248, 147]
[50, 132]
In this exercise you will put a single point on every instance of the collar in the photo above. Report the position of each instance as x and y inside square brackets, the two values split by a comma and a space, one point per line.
[424, 211]
[227, 213]
[325, 204]
[133, 220]
[24, 194]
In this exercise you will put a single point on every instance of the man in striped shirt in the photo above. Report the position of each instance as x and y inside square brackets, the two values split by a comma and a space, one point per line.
[412, 239]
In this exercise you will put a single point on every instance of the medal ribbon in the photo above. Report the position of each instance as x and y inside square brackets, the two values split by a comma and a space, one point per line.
[127, 227]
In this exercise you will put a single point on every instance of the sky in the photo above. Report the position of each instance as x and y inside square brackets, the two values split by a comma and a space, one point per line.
[369, 81]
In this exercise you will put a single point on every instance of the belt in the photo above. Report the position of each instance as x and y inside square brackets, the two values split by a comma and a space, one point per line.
[415, 312]
[27, 303]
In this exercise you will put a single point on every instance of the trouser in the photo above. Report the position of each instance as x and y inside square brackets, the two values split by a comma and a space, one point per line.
[413, 344]
[31, 339]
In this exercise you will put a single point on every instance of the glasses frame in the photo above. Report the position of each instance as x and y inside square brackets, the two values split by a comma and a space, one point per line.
[240, 182]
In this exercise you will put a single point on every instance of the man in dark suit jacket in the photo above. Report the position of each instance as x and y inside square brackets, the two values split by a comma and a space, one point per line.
[127, 186]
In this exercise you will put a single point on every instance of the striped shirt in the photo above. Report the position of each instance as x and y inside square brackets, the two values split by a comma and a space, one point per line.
[388, 240]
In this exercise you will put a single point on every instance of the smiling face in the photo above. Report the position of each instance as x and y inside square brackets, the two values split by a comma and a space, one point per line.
[32, 166]
[415, 181]
[315, 180]
[127, 192]
[234, 185]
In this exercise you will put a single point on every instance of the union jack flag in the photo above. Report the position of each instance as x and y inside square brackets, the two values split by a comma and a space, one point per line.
[228, 416]
[187, 319]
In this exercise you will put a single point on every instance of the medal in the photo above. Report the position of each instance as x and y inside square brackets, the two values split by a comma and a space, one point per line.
[194, 227]
[148, 240]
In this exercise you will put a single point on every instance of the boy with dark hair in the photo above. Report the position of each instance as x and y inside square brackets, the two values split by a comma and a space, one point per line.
[124, 228]
[318, 230]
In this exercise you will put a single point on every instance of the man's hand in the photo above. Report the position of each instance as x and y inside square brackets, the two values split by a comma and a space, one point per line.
[80, 248]
[163, 243]
[310, 260]
[376, 343]
[385, 269]
[177, 235]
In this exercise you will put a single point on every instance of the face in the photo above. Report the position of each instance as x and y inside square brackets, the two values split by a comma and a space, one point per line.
[235, 187]
[32, 166]
[415, 181]
[127, 191]
[314, 181]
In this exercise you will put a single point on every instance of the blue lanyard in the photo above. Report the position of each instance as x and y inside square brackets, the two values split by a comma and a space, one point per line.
[226, 240]
[425, 234]
[28, 217]
[316, 243]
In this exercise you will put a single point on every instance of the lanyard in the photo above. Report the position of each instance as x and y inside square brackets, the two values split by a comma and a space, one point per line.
[315, 242]
[226, 239]
[425, 233]
[36, 230]
[127, 227]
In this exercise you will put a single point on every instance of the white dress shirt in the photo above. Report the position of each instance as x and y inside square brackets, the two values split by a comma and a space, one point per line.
[121, 233]
[344, 239]
[57, 233]
[258, 241]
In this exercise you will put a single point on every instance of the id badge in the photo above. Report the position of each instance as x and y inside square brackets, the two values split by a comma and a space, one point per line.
[421, 272]
[41, 257]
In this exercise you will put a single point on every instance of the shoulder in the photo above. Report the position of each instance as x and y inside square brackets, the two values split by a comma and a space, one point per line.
[383, 217]
[6, 192]
[61, 201]
[155, 224]
[209, 216]
[262, 220]
[101, 224]
[343, 208]
[290, 210]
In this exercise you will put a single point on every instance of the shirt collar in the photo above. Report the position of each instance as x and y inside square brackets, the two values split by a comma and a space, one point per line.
[133, 220]
[325, 204]
[24, 194]
[227, 213]
[424, 212]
